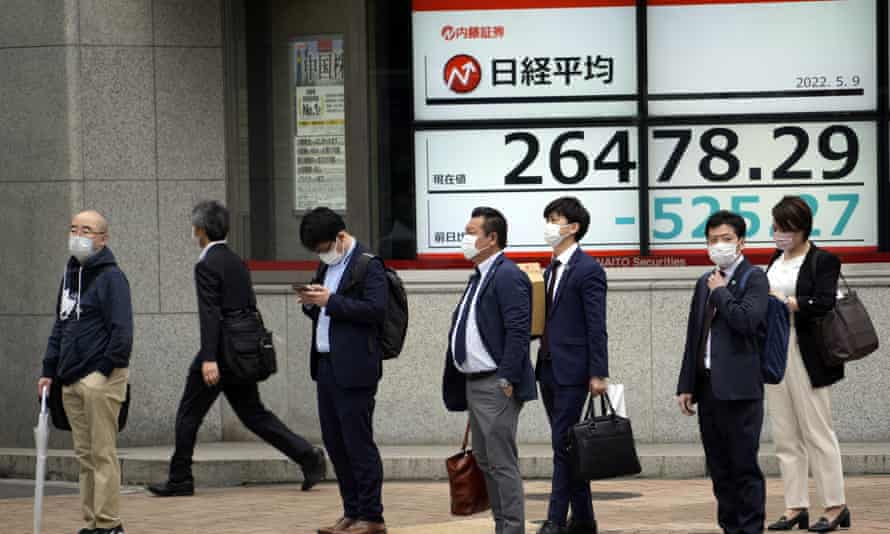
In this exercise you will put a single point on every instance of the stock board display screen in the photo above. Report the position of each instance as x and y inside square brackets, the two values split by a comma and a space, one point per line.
[517, 102]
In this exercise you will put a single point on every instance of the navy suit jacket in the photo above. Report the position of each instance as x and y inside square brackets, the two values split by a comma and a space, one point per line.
[503, 315]
[357, 312]
[737, 334]
[576, 325]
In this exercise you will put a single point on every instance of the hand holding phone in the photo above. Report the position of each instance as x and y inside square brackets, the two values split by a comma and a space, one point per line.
[302, 287]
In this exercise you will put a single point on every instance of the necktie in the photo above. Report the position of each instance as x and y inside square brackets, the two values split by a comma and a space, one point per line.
[548, 303]
[460, 339]
[710, 311]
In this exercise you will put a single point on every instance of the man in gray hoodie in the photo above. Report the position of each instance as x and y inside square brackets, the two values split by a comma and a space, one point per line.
[88, 354]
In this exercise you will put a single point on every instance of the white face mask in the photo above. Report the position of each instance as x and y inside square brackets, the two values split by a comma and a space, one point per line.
[81, 247]
[784, 240]
[723, 254]
[331, 257]
[552, 235]
[468, 247]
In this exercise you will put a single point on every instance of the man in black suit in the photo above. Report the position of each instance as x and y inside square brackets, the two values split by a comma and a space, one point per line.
[721, 372]
[346, 363]
[573, 359]
[224, 286]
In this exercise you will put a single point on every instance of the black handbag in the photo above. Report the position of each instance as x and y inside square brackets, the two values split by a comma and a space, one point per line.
[602, 446]
[846, 332]
[60, 418]
[248, 348]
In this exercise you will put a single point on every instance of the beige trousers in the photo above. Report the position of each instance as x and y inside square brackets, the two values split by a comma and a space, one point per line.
[804, 438]
[92, 406]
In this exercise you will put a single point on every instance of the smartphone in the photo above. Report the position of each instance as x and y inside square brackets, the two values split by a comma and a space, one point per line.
[302, 287]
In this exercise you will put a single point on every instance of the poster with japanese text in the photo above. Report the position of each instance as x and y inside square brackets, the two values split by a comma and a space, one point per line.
[320, 123]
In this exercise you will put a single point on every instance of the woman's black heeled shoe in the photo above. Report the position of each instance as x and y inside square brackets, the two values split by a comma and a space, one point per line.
[801, 521]
[841, 521]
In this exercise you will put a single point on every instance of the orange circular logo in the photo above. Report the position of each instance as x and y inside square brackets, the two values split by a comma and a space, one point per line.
[462, 73]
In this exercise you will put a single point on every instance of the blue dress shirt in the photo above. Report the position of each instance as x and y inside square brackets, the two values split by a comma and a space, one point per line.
[333, 276]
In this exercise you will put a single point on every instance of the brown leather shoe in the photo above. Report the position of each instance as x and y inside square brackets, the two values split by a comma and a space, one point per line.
[364, 527]
[342, 523]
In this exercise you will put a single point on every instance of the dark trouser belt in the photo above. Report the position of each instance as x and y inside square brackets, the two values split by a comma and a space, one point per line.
[480, 376]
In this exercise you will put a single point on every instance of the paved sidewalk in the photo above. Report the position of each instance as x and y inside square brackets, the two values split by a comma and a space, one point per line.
[623, 506]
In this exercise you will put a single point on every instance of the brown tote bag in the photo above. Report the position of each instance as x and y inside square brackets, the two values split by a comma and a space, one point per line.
[466, 481]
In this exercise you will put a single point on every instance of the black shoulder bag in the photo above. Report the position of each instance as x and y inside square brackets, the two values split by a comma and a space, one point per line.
[248, 350]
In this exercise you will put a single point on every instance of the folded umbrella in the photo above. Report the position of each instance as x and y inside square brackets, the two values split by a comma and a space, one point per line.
[41, 439]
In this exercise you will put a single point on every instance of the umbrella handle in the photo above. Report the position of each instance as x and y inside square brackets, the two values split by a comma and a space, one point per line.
[43, 399]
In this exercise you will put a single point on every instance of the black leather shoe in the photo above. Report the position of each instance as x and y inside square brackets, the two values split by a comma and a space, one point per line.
[582, 526]
[314, 469]
[173, 489]
[86, 531]
[841, 521]
[116, 530]
[801, 520]
[549, 527]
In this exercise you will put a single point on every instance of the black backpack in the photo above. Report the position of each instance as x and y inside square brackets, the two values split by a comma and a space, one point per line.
[395, 325]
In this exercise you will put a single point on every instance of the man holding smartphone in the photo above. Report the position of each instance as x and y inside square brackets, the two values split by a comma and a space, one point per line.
[347, 311]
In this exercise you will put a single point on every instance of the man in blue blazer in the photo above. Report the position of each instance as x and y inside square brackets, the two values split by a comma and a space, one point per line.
[721, 373]
[488, 371]
[346, 363]
[573, 357]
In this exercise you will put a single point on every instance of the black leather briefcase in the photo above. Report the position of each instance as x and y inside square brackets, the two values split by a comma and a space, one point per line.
[602, 446]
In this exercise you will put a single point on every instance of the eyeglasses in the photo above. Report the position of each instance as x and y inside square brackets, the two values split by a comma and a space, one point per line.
[85, 231]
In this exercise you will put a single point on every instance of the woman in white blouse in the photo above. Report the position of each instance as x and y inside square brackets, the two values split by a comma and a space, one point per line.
[805, 278]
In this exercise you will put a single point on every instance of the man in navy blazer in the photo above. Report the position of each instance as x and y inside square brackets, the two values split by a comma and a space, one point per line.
[346, 363]
[721, 373]
[488, 371]
[573, 357]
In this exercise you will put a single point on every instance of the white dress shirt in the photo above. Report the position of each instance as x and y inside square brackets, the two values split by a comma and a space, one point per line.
[478, 358]
[563, 263]
[206, 249]
[730, 271]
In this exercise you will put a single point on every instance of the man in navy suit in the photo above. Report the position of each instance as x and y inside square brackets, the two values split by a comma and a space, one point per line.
[573, 357]
[346, 363]
[488, 371]
[721, 372]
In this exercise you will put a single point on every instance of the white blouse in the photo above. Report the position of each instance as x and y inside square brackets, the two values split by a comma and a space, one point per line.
[783, 275]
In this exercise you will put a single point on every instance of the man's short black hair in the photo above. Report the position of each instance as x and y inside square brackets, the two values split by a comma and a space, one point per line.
[212, 217]
[493, 221]
[793, 214]
[727, 217]
[320, 225]
[574, 212]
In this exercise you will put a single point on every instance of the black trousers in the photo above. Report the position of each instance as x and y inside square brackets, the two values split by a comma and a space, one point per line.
[564, 406]
[346, 416]
[730, 432]
[245, 400]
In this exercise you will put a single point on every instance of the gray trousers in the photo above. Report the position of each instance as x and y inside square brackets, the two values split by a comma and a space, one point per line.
[494, 418]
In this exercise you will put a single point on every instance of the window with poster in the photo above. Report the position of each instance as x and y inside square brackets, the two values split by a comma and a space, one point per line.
[655, 113]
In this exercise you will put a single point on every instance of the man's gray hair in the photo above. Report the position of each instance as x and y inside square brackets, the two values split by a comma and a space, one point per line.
[212, 217]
